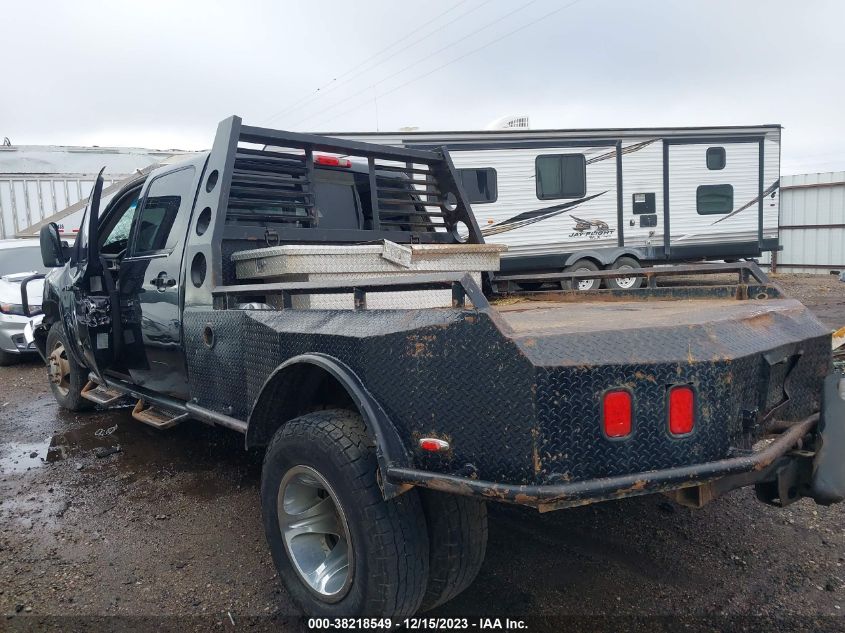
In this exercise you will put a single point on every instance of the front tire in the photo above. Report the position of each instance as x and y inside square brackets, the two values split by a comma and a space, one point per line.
[67, 377]
[340, 548]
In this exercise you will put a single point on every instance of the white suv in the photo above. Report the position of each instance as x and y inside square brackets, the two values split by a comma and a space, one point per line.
[19, 259]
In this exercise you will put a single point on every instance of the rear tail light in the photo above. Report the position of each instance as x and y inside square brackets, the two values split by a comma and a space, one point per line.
[617, 413]
[681, 410]
[331, 161]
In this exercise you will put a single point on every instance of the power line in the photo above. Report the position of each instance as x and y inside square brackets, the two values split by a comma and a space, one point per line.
[322, 88]
[410, 45]
[459, 58]
[419, 61]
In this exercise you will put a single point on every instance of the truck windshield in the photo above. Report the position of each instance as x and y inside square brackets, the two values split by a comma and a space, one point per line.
[21, 259]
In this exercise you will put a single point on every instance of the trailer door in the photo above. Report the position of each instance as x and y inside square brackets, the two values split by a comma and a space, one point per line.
[713, 190]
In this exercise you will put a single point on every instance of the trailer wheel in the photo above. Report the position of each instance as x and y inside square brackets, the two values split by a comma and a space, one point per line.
[624, 283]
[67, 377]
[457, 537]
[581, 266]
[339, 547]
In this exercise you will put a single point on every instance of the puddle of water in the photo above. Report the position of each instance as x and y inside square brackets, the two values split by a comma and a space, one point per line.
[20, 457]
[132, 447]
[94, 436]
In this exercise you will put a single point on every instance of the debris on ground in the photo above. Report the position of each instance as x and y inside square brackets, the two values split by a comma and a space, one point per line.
[105, 451]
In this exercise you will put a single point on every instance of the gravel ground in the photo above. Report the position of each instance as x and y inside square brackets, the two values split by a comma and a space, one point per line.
[166, 532]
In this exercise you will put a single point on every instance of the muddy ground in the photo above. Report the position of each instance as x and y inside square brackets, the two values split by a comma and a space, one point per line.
[169, 528]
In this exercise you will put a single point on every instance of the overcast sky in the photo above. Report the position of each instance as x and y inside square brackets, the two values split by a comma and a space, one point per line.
[162, 74]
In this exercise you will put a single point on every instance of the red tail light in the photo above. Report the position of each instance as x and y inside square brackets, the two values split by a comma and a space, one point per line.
[433, 445]
[331, 161]
[681, 410]
[617, 413]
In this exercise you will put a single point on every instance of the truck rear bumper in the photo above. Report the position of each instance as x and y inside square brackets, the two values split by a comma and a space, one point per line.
[778, 463]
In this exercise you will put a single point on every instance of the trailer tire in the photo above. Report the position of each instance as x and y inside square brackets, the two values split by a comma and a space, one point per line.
[66, 376]
[582, 265]
[385, 541]
[626, 283]
[457, 537]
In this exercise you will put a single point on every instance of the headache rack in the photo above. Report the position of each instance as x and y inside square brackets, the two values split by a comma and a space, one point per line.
[268, 179]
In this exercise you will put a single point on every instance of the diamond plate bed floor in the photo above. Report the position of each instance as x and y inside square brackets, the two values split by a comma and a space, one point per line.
[527, 316]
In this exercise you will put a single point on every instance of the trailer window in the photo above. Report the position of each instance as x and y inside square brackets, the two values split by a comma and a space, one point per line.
[480, 185]
[160, 208]
[561, 176]
[714, 199]
[716, 158]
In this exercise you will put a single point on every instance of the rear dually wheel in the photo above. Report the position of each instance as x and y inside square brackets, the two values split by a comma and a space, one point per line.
[340, 548]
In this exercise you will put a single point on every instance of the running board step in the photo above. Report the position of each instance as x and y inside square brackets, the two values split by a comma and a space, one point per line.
[100, 394]
[156, 416]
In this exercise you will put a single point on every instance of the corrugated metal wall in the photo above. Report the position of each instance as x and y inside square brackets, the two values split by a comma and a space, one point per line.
[28, 198]
[38, 181]
[812, 223]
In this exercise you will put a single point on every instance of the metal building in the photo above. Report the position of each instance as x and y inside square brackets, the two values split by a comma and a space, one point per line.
[812, 224]
[38, 181]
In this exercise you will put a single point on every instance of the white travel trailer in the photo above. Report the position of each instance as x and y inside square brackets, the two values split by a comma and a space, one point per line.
[616, 198]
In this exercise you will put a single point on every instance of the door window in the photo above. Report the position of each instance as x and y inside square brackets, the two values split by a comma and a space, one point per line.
[118, 236]
[716, 158]
[80, 246]
[161, 205]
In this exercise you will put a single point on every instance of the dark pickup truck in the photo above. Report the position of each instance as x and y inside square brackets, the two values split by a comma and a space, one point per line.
[387, 422]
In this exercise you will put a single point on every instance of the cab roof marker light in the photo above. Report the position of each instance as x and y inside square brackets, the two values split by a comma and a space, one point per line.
[331, 161]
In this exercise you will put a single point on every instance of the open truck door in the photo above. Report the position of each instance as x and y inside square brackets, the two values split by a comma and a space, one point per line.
[95, 314]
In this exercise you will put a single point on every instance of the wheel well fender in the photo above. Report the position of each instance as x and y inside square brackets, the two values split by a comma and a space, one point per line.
[309, 381]
[604, 256]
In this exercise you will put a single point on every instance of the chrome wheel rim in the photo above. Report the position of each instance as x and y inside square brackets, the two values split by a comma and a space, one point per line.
[58, 368]
[315, 533]
[625, 282]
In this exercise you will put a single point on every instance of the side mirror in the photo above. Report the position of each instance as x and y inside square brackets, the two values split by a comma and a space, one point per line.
[52, 250]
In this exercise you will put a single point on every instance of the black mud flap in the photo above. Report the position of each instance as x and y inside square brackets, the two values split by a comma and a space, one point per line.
[828, 483]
